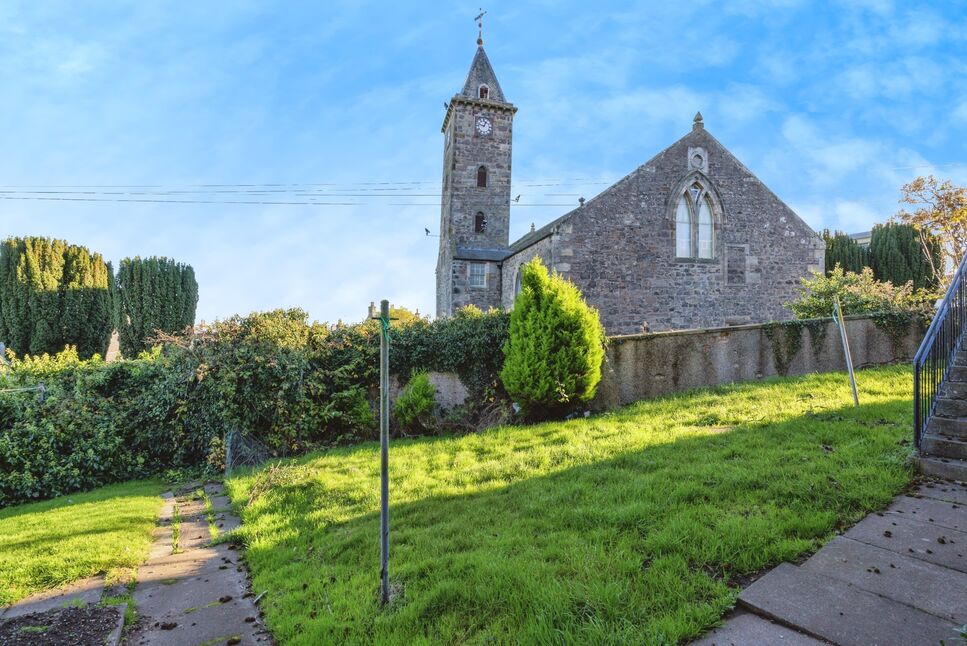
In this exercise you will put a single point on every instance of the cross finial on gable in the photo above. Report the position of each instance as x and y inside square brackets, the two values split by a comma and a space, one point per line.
[697, 122]
[479, 19]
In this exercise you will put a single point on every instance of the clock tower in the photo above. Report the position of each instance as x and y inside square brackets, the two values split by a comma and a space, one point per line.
[475, 208]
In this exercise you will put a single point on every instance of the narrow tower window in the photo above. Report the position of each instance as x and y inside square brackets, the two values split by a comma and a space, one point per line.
[479, 222]
[482, 177]
[483, 92]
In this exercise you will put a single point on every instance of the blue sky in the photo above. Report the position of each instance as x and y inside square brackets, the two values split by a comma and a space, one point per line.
[833, 105]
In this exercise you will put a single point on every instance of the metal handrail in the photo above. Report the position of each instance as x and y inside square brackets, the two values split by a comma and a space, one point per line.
[934, 357]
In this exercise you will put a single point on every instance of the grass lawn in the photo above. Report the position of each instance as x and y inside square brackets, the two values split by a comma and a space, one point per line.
[47, 544]
[637, 526]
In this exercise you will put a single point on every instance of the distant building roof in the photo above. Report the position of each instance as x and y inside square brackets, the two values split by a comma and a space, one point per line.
[863, 237]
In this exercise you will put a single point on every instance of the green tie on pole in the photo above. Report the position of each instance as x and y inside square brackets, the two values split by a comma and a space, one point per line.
[838, 317]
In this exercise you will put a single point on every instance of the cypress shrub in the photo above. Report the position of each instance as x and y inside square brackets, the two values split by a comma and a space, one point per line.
[556, 345]
[842, 250]
[897, 255]
[54, 294]
[152, 294]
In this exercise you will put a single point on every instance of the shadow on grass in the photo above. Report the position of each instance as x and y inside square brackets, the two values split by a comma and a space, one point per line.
[643, 546]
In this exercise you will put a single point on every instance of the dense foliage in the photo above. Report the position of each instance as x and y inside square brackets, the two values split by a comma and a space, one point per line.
[415, 405]
[897, 255]
[151, 295]
[556, 345]
[271, 376]
[53, 294]
[939, 208]
[843, 251]
[859, 293]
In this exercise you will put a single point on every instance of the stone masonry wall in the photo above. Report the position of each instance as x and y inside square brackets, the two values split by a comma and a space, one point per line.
[512, 265]
[649, 365]
[619, 248]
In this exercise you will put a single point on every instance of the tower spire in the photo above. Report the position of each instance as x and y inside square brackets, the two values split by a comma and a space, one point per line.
[479, 20]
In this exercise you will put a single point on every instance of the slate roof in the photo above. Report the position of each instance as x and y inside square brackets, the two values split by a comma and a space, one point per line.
[482, 73]
[468, 253]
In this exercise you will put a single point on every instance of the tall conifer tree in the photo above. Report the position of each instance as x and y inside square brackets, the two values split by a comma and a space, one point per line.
[897, 255]
[53, 294]
[152, 294]
[844, 251]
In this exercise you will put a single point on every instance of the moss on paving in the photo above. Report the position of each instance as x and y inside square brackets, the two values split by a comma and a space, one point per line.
[48, 544]
[637, 526]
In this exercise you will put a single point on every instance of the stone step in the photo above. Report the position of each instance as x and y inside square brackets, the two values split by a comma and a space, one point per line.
[957, 374]
[950, 407]
[945, 468]
[948, 491]
[914, 539]
[747, 628]
[949, 426]
[943, 447]
[925, 586]
[939, 512]
[954, 390]
[802, 599]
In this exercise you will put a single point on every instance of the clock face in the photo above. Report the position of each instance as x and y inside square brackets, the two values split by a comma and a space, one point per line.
[483, 126]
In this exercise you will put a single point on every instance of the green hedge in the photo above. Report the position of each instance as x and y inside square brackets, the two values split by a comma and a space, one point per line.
[273, 376]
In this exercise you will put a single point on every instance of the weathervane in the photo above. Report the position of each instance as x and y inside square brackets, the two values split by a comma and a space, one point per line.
[479, 20]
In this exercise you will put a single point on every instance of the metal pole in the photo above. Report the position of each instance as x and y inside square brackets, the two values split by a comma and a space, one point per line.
[384, 452]
[838, 315]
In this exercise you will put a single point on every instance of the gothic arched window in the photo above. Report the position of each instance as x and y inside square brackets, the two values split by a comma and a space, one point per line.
[479, 222]
[483, 92]
[694, 223]
[482, 177]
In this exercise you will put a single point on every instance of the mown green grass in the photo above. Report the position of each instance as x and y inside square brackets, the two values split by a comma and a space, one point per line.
[632, 527]
[47, 544]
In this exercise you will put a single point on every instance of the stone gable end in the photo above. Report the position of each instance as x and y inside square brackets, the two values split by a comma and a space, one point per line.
[619, 248]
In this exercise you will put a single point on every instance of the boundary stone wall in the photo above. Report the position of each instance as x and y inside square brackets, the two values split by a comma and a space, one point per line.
[644, 366]
[648, 365]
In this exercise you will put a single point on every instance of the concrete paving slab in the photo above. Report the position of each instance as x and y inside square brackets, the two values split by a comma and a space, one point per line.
[212, 625]
[944, 491]
[938, 512]
[928, 587]
[85, 591]
[747, 629]
[839, 612]
[170, 597]
[200, 595]
[188, 563]
[221, 502]
[913, 538]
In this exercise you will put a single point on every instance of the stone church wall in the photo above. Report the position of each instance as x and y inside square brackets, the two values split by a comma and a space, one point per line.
[464, 294]
[619, 248]
[511, 266]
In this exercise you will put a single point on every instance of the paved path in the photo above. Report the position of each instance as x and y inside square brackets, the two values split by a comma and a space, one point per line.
[191, 592]
[896, 577]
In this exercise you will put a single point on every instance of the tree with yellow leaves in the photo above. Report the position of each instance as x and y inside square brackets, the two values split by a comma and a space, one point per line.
[939, 208]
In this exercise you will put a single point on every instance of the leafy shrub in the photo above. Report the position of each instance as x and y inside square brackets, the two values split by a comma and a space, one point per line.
[859, 293]
[556, 345]
[291, 384]
[416, 403]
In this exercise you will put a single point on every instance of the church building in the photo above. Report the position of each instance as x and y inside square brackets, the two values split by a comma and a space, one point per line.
[689, 239]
